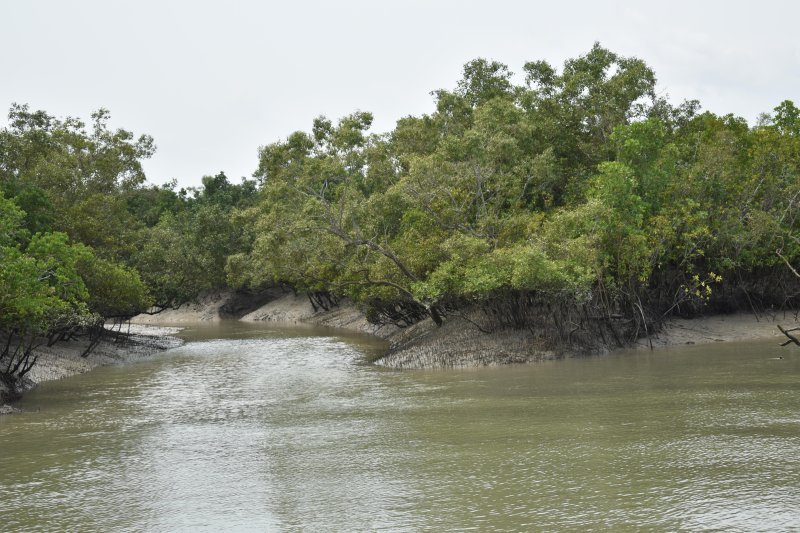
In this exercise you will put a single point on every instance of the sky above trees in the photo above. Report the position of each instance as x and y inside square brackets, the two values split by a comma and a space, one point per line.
[211, 82]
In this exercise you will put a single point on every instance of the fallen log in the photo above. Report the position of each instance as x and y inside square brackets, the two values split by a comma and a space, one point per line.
[788, 333]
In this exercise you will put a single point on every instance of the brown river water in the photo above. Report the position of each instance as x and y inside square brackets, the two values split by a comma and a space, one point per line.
[256, 428]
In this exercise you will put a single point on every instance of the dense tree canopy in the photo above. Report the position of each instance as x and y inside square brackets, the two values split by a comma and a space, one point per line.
[579, 187]
[65, 230]
[580, 183]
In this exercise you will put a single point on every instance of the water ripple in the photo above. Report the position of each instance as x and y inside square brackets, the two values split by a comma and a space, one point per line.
[294, 433]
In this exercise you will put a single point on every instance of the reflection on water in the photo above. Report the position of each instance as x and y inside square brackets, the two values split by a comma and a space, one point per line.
[250, 428]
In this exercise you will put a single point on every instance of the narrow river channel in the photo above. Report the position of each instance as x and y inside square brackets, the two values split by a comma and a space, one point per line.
[252, 428]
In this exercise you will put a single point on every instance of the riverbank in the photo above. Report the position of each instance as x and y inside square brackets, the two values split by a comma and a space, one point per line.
[458, 342]
[64, 358]
[721, 328]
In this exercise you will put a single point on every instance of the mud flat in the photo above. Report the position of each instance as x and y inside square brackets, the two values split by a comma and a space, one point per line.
[65, 359]
[721, 328]
[458, 342]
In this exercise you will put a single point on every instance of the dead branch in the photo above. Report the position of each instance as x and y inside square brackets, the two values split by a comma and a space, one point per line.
[788, 333]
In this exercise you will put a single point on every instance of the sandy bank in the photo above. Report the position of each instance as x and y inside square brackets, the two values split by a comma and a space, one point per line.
[458, 343]
[212, 307]
[293, 309]
[721, 328]
[288, 308]
[64, 358]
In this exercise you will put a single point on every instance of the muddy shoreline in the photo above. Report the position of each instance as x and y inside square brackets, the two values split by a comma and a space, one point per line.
[423, 345]
[458, 343]
[64, 359]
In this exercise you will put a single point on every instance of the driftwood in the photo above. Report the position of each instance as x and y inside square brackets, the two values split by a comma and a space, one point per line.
[788, 333]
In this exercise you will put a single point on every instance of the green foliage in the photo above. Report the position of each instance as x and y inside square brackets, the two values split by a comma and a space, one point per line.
[62, 206]
[65, 159]
[76, 220]
[57, 262]
[69, 178]
[40, 284]
[184, 254]
[114, 290]
[580, 184]
[148, 204]
[787, 118]
[483, 81]
[217, 190]
[12, 220]
[580, 181]
[472, 270]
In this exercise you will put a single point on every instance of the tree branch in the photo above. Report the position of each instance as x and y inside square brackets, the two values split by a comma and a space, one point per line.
[792, 338]
[778, 253]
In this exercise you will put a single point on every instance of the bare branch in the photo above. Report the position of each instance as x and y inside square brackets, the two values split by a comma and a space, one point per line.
[778, 253]
[792, 338]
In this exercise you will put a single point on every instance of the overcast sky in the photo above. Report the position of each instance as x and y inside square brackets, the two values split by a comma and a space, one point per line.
[213, 81]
